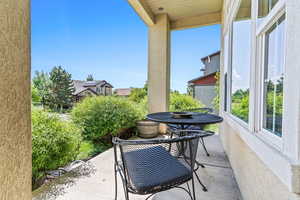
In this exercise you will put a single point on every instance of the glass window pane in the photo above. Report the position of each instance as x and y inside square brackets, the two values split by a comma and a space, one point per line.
[241, 53]
[273, 77]
[265, 6]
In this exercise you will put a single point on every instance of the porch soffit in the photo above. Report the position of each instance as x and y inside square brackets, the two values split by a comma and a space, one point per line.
[182, 13]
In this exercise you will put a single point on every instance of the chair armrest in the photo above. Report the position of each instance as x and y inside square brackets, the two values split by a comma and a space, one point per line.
[118, 141]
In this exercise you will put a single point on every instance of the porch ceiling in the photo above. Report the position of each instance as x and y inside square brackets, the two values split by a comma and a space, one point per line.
[182, 13]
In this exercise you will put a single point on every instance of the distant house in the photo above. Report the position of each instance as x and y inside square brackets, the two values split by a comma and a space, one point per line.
[91, 88]
[123, 92]
[203, 87]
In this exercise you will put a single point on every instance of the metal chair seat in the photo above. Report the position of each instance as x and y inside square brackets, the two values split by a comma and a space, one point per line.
[154, 169]
[155, 165]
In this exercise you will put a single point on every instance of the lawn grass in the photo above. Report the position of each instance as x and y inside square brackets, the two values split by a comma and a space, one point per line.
[89, 149]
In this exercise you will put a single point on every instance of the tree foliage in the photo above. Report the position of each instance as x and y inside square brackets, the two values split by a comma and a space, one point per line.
[216, 100]
[61, 89]
[273, 100]
[90, 77]
[55, 89]
[35, 94]
[42, 83]
[240, 104]
[138, 94]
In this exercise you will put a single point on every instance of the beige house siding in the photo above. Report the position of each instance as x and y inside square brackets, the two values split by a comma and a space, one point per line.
[256, 181]
[205, 94]
[15, 98]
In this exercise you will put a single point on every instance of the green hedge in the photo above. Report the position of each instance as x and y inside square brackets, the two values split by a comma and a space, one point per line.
[105, 116]
[178, 102]
[182, 102]
[54, 142]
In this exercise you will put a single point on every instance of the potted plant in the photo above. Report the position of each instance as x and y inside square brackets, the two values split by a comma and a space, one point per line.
[147, 129]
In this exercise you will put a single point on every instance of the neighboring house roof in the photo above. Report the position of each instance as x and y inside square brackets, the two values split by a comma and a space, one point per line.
[208, 79]
[86, 89]
[123, 91]
[81, 86]
[211, 55]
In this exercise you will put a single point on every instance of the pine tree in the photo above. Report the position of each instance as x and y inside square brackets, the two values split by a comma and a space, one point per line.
[90, 77]
[61, 89]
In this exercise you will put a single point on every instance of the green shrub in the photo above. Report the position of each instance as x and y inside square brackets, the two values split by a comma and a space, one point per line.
[178, 102]
[54, 142]
[181, 102]
[138, 94]
[105, 116]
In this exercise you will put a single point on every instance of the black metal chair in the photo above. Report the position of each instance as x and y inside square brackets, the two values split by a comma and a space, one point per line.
[147, 167]
[210, 133]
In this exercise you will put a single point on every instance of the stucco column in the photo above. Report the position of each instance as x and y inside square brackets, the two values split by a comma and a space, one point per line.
[15, 100]
[159, 65]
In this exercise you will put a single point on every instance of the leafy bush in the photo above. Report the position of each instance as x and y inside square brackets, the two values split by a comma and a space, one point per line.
[240, 104]
[181, 102]
[105, 116]
[178, 102]
[138, 94]
[54, 142]
[216, 100]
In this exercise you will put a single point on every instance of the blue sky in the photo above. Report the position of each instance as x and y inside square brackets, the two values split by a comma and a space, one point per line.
[108, 39]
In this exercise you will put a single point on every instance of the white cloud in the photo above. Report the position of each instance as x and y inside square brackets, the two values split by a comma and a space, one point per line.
[235, 74]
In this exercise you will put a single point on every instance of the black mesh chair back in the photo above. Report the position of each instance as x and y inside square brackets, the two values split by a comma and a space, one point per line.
[154, 165]
[172, 128]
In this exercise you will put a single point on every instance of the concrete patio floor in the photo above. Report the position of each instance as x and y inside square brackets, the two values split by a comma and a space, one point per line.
[96, 182]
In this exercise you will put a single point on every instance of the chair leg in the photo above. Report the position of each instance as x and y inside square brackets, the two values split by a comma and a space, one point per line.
[188, 186]
[203, 186]
[126, 195]
[204, 147]
[125, 191]
[116, 182]
[193, 187]
[200, 164]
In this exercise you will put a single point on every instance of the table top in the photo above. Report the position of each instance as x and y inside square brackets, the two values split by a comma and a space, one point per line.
[196, 119]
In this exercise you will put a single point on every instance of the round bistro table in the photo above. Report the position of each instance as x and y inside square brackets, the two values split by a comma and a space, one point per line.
[197, 119]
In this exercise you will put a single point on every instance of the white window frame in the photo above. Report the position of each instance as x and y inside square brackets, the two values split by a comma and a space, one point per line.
[280, 161]
[266, 23]
[245, 125]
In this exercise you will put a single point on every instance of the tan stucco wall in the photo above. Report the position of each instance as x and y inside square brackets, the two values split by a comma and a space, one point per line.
[256, 181]
[15, 106]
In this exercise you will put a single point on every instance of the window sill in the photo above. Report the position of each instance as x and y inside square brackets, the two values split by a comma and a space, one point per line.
[274, 159]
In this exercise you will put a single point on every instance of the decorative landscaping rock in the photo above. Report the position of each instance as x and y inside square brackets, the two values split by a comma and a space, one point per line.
[147, 129]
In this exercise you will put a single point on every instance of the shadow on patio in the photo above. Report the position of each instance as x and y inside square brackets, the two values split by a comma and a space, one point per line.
[95, 181]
